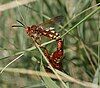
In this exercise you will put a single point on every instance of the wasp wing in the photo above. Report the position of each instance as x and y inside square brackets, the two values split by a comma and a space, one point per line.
[52, 21]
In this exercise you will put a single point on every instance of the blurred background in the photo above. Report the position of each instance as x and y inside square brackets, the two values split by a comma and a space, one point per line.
[81, 44]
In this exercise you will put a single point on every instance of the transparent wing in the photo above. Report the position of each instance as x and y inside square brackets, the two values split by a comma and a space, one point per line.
[52, 21]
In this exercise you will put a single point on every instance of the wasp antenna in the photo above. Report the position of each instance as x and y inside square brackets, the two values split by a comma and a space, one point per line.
[21, 23]
[18, 26]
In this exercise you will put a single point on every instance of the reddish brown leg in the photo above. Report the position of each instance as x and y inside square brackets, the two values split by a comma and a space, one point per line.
[46, 53]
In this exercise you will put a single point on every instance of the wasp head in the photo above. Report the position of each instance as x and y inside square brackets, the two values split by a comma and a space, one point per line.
[31, 31]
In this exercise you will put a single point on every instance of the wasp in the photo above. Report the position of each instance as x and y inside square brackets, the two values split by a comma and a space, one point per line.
[36, 31]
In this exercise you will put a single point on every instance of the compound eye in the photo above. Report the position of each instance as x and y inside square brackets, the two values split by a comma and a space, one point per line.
[27, 29]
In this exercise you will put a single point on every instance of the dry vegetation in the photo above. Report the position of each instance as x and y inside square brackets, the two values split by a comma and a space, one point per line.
[80, 31]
